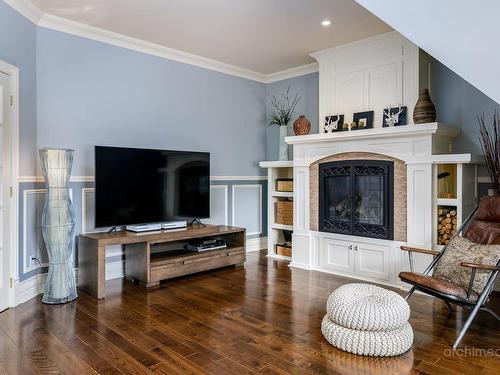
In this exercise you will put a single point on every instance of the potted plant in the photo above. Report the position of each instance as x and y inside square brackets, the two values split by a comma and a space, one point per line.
[490, 143]
[282, 113]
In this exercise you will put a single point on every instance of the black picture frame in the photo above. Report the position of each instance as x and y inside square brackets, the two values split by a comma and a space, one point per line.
[403, 116]
[329, 119]
[367, 116]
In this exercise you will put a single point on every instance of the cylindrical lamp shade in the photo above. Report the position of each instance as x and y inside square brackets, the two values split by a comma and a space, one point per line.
[58, 226]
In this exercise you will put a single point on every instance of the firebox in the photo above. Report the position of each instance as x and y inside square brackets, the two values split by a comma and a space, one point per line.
[356, 198]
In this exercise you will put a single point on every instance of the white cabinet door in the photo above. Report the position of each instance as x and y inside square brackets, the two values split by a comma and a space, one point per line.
[337, 256]
[372, 261]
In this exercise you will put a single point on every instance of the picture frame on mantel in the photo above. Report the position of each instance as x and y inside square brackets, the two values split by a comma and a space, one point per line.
[334, 123]
[362, 120]
[399, 116]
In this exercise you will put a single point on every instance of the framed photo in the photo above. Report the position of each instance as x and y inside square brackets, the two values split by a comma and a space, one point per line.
[398, 116]
[362, 120]
[334, 123]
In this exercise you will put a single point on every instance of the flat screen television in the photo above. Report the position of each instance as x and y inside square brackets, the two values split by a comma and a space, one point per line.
[138, 186]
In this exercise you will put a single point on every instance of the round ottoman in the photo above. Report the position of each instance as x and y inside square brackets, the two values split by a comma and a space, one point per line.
[367, 319]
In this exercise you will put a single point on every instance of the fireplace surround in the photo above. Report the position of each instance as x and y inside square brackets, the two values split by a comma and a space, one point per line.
[356, 198]
[414, 151]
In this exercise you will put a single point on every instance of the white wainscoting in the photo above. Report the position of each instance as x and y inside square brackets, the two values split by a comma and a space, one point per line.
[33, 200]
[247, 208]
[218, 205]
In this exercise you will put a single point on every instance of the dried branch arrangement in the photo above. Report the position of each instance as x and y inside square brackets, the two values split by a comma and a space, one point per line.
[490, 143]
[283, 109]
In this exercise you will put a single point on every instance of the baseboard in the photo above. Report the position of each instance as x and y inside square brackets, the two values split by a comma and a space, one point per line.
[115, 270]
[28, 289]
[256, 244]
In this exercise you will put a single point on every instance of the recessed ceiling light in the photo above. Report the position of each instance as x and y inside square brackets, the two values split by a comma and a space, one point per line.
[326, 23]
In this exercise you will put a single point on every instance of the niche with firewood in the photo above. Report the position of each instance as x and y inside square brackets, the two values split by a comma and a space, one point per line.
[447, 223]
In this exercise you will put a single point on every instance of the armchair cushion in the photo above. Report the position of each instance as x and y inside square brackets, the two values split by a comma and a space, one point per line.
[437, 285]
[460, 250]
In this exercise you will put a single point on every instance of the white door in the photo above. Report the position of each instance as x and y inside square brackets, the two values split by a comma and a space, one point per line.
[5, 160]
[337, 256]
[372, 261]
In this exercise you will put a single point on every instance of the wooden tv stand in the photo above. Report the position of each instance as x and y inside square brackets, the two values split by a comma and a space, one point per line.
[154, 256]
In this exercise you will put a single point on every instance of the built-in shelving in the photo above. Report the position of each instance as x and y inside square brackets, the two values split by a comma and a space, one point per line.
[281, 226]
[455, 189]
[275, 234]
[282, 194]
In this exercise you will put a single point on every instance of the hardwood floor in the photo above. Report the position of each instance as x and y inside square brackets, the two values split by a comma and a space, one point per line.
[260, 319]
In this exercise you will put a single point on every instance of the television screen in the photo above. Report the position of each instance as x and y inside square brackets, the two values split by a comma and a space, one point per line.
[136, 186]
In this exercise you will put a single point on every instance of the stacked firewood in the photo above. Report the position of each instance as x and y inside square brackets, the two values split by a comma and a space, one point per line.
[447, 224]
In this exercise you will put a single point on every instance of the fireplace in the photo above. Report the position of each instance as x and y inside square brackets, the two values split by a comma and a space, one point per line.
[356, 198]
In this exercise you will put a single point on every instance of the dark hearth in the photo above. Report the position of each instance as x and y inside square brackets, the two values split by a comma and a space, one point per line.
[356, 197]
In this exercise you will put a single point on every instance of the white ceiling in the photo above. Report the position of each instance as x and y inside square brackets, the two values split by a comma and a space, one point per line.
[264, 36]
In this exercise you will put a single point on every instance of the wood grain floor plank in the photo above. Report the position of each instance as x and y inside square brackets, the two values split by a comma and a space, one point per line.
[261, 319]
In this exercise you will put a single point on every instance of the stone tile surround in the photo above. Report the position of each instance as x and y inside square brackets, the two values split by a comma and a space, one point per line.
[400, 188]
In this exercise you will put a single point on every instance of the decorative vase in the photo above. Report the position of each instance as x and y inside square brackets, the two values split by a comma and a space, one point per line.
[283, 144]
[302, 126]
[424, 109]
[58, 226]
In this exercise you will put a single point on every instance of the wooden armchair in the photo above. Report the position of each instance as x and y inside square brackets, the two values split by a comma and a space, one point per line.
[481, 227]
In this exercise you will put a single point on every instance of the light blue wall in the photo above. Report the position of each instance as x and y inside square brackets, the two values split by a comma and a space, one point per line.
[18, 48]
[93, 93]
[459, 103]
[307, 87]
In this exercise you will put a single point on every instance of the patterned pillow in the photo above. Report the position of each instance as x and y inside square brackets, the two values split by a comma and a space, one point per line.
[462, 250]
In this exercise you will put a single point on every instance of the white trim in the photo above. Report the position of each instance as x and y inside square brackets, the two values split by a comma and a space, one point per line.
[90, 32]
[484, 180]
[24, 179]
[27, 9]
[276, 164]
[226, 200]
[25, 226]
[32, 287]
[29, 288]
[297, 71]
[249, 186]
[114, 270]
[256, 244]
[238, 178]
[13, 246]
[83, 206]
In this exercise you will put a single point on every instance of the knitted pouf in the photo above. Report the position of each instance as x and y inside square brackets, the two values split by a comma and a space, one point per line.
[367, 307]
[373, 343]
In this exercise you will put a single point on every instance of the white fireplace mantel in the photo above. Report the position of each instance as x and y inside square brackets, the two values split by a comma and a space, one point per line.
[419, 146]
[410, 143]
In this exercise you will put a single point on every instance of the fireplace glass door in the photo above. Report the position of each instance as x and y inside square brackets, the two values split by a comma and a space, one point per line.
[356, 198]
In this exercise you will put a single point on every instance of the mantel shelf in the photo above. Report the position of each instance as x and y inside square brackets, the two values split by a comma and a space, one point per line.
[276, 164]
[393, 132]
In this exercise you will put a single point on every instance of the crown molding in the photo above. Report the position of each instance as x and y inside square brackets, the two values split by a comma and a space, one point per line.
[90, 32]
[50, 21]
[27, 9]
[292, 72]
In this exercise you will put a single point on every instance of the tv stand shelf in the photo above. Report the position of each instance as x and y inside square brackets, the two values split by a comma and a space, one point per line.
[154, 256]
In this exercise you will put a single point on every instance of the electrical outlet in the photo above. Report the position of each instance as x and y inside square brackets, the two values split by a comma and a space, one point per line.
[33, 261]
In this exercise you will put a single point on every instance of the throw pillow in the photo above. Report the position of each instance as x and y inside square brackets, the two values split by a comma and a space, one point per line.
[462, 250]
